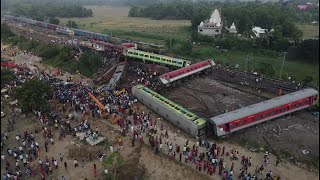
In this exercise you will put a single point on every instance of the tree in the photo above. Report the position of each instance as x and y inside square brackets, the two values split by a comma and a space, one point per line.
[54, 21]
[266, 69]
[33, 95]
[307, 80]
[5, 32]
[72, 24]
[6, 76]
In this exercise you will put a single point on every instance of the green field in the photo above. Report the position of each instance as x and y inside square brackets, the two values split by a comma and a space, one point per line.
[115, 21]
[295, 69]
[309, 30]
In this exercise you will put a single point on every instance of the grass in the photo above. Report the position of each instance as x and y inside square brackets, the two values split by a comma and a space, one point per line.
[309, 30]
[116, 21]
[291, 68]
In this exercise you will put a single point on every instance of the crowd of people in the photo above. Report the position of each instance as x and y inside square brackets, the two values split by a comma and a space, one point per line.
[147, 78]
[204, 155]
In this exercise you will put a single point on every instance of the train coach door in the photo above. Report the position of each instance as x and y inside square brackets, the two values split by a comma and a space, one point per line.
[227, 127]
[201, 132]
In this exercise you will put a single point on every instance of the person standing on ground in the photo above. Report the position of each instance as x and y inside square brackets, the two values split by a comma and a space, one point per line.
[65, 165]
[55, 162]
[61, 157]
[111, 148]
[277, 161]
[75, 162]
[95, 170]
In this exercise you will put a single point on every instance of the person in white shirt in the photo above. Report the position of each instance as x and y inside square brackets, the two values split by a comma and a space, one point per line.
[111, 148]
[55, 162]
[75, 162]
[2, 157]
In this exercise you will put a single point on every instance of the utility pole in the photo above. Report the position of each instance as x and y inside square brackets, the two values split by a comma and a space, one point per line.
[283, 59]
[246, 70]
[170, 45]
[247, 63]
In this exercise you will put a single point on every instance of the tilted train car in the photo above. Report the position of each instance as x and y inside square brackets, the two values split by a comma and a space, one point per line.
[88, 34]
[186, 71]
[156, 58]
[257, 113]
[53, 26]
[174, 113]
[65, 31]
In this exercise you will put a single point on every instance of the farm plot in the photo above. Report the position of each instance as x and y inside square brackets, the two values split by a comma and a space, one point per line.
[115, 20]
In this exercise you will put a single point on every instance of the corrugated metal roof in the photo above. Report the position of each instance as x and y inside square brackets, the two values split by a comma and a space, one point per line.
[262, 106]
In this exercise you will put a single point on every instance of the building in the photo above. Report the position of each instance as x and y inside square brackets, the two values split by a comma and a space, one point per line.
[258, 31]
[212, 26]
[233, 29]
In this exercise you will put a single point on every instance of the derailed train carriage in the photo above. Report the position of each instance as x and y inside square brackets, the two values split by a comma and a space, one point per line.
[177, 115]
[229, 122]
[245, 117]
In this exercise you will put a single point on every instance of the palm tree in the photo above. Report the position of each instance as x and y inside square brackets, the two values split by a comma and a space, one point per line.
[267, 36]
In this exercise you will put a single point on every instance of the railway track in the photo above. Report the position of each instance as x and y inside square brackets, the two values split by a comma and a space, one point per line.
[254, 81]
[206, 108]
[212, 95]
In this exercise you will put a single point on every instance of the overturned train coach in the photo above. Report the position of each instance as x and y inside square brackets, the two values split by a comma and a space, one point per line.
[239, 119]
[229, 122]
[177, 115]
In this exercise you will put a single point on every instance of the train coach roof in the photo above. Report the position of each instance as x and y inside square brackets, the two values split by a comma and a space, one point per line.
[171, 105]
[184, 68]
[262, 106]
[158, 55]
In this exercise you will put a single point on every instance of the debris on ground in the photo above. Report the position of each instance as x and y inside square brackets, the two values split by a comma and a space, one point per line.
[305, 152]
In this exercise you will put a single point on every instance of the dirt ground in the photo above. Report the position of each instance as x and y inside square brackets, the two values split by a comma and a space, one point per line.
[207, 97]
[288, 136]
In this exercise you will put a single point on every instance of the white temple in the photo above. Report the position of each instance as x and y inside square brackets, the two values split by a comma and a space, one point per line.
[233, 29]
[211, 26]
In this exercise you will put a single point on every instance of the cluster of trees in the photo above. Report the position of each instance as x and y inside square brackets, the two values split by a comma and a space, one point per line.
[34, 95]
[55, 55]
[243, 14]
[6, 76]
[72, 24]
[7, 4]
[279, 16]
[50, 10]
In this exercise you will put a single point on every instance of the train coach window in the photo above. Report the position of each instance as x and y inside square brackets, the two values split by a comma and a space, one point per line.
[234, 125]
[135, 53]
